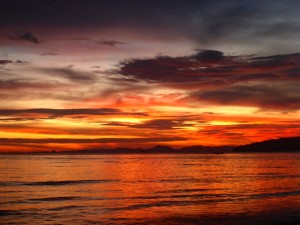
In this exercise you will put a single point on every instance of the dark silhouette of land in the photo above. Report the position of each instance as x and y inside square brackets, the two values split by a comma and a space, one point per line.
[159, 149]
[291, 144]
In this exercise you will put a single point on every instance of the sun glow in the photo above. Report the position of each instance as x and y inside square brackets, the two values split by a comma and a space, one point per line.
[133, 120]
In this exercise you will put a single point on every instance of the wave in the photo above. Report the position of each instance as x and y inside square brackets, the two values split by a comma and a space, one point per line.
[51, 199]
[62, 208]
[54, 183]
[196, 199]
[11, 212]
[188, 190]
[276, 194]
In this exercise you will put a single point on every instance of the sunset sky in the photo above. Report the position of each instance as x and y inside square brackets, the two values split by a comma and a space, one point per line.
[133, 73]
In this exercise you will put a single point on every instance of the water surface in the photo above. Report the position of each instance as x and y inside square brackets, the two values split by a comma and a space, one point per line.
[150, 189]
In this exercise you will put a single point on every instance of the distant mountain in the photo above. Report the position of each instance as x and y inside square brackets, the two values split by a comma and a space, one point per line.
[291, 144]
[106, 151]
[200, 149]
[160, 149]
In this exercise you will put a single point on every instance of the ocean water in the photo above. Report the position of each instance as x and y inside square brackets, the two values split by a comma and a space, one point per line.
[244, 189]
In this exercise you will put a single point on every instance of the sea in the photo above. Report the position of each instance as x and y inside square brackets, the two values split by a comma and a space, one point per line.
[158, 189]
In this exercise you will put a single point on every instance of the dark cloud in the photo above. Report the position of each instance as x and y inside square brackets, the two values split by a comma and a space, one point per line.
[294, 73]
[155, 124]
[4, 62]
[54, 113]
[208, 66]
[244, 132]
[275, 61]
[104, 42]
[25, 36]
[110, 43]
[49, 54]
[255, 77]
[16, 119]
[210, 76]
[250, 22]
[209, 55]
[159, 124]
[193, 68]
[285, 98]
[79, 39]
[90, 140]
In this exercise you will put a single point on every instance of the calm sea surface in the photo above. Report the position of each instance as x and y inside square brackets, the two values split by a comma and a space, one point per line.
[231, 189]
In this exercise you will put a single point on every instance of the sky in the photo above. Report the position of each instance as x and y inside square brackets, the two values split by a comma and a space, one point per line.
[130, 73]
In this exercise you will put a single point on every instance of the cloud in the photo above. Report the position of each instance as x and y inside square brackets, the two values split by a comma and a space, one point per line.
[30, 82]
[90, 140]
[294, 73]
[251, 132]
[110, 43]
[49, 54]
[165, 69]
[269, 82]
[159, 124]
[25, 36]
[104, 42]
[27, 84]
[261, 24]
[70, 74]
[262, 96]
[4, 62]
[209, 55]
[54, 113]
[208, 66]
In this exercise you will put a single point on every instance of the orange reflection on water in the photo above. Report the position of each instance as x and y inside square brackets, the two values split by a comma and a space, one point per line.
[139, 188]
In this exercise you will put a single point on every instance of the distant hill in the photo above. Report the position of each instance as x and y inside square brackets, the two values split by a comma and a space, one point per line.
[205, 149]
[291, 144]
[159, 149]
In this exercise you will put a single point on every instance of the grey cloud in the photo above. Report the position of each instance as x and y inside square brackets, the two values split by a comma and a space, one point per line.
[4, 62]
[209, 55]
[104, 42]
[70, 74]
[25, 36]
[49, 54]
[294, 73]
[259, 23]
[54, 113]
[285, 98]
[111, 43]
[159, 124]
[208, 66]
[90, 140]
[29, 84]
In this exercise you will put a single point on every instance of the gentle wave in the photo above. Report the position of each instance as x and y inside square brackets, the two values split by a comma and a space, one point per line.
[201, 199]
[277, 194]
[51, 199]
[195, 198]
[241, 191]
[188, 190]
[11, 212]
[54, 183]
[69, 207]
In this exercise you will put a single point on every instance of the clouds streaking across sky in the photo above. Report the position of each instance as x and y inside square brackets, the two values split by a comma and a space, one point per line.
[89, 74]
